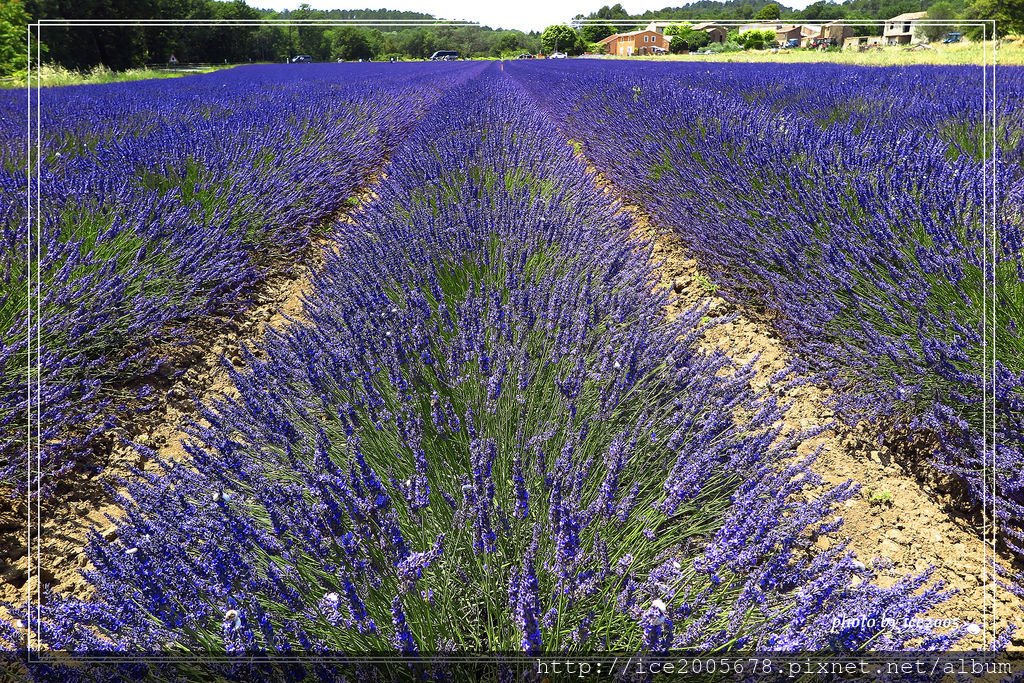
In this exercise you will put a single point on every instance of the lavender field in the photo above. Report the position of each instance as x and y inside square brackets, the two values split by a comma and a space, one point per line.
[492, 425]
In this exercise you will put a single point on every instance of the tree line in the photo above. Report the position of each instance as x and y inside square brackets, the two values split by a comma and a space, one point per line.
[126, 47]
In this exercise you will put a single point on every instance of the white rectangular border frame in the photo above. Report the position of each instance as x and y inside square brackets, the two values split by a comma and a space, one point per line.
[34, 285]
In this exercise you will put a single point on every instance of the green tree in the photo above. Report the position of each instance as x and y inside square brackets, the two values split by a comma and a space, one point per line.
[562, 38]
[311, 39]
[593, 33]
[472, 41]
[118, 47]
[822, 10]
[1008, 14]
[609, 17]
[231, 43]
[163, 41]
[685, 39]
[679, 45]
[675, 29]
[387, 44]
[414, 43]
[698, 39]
[13, 20]
[769, 11]
[615, 13]
[757, 39]
[270, 44]
[351, 43]
[940, 11]
[507, 42]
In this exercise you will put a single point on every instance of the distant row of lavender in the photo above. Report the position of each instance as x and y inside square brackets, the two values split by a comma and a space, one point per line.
[163, 202]
[488, 437]
[854, 204]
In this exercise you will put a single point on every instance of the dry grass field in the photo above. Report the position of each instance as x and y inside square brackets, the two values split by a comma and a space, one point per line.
[1006, 53]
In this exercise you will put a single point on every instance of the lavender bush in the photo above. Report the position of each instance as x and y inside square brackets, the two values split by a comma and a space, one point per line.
[856, 206]
[486, 438]
[163, 203]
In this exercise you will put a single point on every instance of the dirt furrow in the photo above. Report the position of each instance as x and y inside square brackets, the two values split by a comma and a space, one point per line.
[904, 518]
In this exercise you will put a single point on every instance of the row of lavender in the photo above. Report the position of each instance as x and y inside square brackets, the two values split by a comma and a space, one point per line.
[163, 203]
[854, 204]
[488, 437]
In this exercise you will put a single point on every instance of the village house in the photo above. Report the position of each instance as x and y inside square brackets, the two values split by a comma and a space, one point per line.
[837, 33]
[641, 42]
[809, 34]
[716, 32]
[900, 29]
[786, 33]
[862, 42]
[801, 33]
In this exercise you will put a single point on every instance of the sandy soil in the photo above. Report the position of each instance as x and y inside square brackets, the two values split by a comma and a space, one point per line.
[905, 518]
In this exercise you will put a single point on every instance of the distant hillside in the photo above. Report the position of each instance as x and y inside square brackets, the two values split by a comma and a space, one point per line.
[751, 9]
[371, 14]
[714, 9]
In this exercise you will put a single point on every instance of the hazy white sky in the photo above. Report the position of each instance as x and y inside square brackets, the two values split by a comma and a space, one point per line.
[526, 15]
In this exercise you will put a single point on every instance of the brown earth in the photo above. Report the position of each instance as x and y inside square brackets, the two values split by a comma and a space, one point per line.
[905, 517]
[189, 375]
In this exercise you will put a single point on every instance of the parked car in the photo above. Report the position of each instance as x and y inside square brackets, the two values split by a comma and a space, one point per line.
[791, 43]
[952, 37]
[525, 55]
[302, 59]
[558, 55]
[655, 50]
[444, 56]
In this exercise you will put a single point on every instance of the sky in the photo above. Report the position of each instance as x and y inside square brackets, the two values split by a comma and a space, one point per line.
[526, 15]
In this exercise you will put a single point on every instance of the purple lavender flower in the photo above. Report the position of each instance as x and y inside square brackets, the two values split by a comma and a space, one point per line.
[657, 627]
[403, 637]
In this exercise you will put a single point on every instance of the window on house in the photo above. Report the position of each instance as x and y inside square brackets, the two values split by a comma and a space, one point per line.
[906, 27]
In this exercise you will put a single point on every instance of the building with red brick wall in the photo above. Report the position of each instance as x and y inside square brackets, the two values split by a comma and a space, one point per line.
[635, 43]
